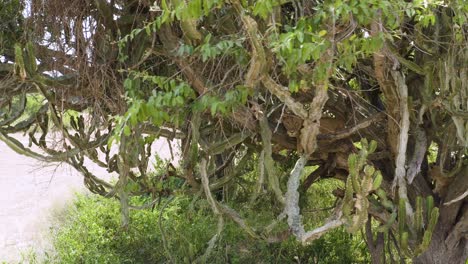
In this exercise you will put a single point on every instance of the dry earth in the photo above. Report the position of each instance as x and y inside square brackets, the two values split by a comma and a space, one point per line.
[29, 194]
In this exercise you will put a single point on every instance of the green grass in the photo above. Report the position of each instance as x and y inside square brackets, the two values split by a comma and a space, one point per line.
[179, 229]
[90, 232]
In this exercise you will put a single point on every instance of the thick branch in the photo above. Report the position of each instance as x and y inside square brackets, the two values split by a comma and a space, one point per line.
[285, 96]
[206, 187]
[257, 60]
[269, 162]
[400, 170]
[420, 148]
[292, 209]
[320, 231]
[350, 131]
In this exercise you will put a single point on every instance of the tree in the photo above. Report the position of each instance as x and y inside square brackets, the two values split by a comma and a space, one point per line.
[374, 93]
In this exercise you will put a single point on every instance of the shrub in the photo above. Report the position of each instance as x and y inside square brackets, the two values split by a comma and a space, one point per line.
[90, 233]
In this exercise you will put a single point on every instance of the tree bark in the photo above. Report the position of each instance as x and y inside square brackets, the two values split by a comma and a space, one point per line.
[439, 252]
[376, 246]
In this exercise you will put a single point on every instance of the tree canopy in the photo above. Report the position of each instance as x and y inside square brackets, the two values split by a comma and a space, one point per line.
[372, 93]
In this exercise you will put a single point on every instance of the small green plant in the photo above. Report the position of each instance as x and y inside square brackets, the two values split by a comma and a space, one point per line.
[362, 180]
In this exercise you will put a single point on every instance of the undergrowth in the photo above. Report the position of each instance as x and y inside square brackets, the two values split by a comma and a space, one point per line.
[179, 229]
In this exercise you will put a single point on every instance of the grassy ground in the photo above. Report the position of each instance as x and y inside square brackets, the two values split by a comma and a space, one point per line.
[178, 231]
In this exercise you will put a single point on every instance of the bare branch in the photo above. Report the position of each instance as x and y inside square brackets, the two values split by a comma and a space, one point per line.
[291, 208]
[269, 162]
[350, 131]
[418, 154]
[400, 170]
[285, 96]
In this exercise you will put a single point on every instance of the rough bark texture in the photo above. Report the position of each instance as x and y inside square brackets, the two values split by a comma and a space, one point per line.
[449, 241]
[439, 252]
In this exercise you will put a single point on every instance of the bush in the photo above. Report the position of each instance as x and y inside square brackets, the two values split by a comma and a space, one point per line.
[91, 233]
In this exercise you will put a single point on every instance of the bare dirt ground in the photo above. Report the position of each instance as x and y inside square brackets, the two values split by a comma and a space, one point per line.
[30, 192]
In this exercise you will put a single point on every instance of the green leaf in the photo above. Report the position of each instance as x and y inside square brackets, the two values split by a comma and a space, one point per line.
[377, 181]
[128, 84]
[213, 108]
[293, 86]
[352, 162]
[369, 170]
[372, 147]
[127, 131]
